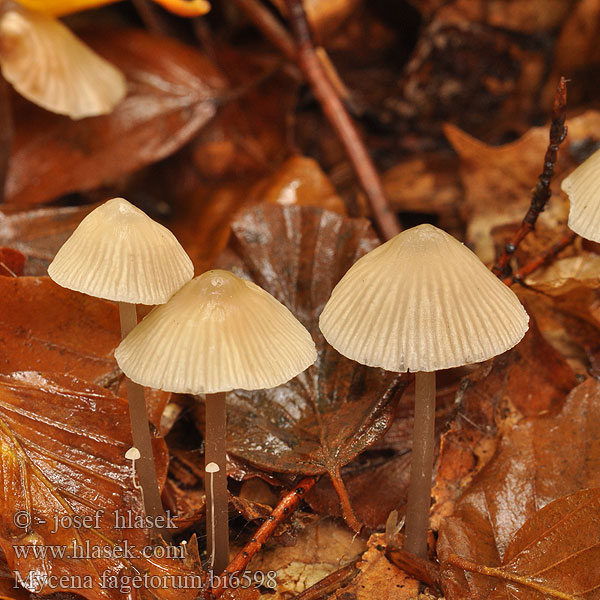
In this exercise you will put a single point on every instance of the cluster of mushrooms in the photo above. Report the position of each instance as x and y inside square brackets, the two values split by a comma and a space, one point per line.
[420, 302]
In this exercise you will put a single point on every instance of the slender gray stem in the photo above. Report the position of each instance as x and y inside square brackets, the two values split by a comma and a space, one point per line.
[140, 431]
[421, 467]
[217, 500]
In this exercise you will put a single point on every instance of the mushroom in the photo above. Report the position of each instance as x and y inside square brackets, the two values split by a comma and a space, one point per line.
[119, 253]
[218, 333]
[48, 65]
[582, 186]
[421, 302]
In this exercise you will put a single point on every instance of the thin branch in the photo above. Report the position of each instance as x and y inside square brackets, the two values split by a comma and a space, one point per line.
[541, 193]
[543, 259]
[335, 111]
[287, 505]
[151, 18]
[265, 21]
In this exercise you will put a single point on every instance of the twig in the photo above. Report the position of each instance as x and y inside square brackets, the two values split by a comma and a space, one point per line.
[544, 258]
[541, 193]
[269, 26]
[287, 505]
[330, 584]
[338, 116]
[419, 568]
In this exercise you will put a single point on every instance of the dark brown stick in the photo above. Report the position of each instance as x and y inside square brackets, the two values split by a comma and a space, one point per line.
[541, 193]
[419, 568]
[544, 258]
[271, 28]
[287, 505]
[140, 432]
[217, 500]
[335, 111]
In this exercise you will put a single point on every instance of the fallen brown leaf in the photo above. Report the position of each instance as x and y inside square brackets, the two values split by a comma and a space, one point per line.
[63, 445]
[172, 94]
[527, 473]
[44, 327]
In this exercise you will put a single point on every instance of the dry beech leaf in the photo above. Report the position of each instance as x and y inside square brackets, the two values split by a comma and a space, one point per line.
[39, 233]
[63, 445]
[498, 179]
[172, 94]
[525, 475]
[320, 420]
[44, 327]
[555, 554]
[317, 552]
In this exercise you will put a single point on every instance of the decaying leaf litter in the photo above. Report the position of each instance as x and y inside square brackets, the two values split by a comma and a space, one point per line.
[221, 138]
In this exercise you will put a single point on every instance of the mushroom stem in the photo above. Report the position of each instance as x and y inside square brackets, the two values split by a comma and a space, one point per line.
[140, 431]
[421, 467]
[217, 500]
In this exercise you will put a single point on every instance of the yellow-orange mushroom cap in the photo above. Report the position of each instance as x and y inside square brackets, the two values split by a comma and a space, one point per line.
[216, 334]
[422, 302]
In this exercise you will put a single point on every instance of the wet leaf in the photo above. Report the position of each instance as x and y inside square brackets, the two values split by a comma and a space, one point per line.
[63, 445]
[555, 554]
[526, 474]
[531, 379]
[172, 94]
[44, 327]
[39, 233]
[320, 420]
[12, 262]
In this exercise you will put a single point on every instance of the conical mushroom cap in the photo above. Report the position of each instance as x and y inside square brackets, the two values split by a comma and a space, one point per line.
[48, 65]
[216, 334]
[422, 302]
[583, 188]
[119, 253]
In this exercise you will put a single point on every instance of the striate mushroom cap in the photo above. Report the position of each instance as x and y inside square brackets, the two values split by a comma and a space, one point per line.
[119, 253]
[216, 334]
[422, 302]
[48, 65]
[583, 188]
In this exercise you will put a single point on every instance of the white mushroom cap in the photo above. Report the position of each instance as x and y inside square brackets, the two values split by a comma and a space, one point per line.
[119, 253]
[216, 334]
[48, 65]
[583, 188]
[422, 302]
